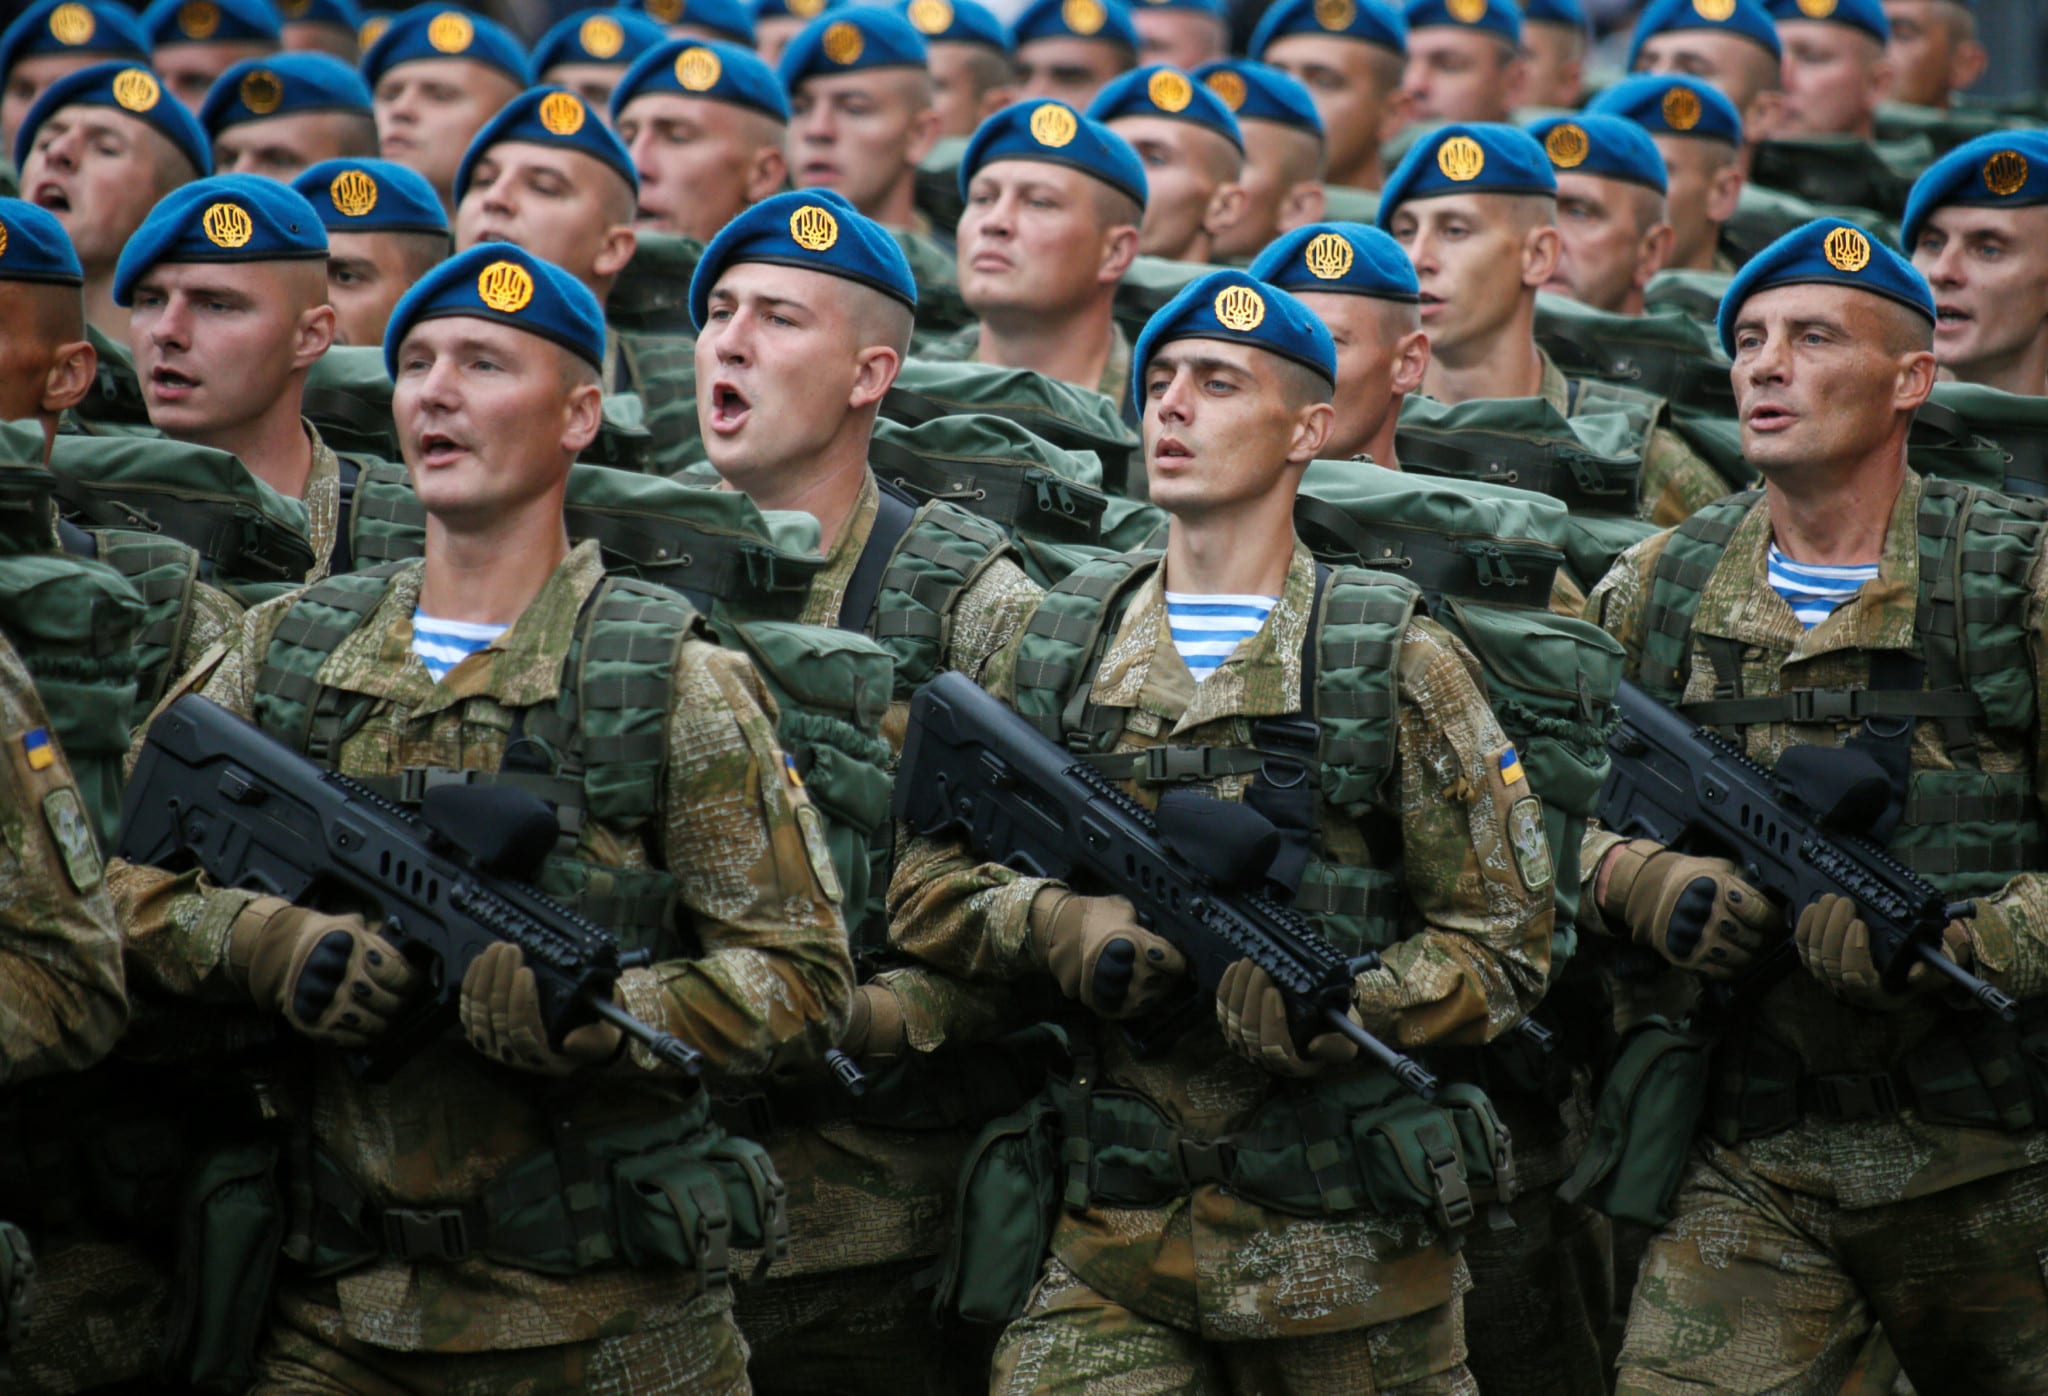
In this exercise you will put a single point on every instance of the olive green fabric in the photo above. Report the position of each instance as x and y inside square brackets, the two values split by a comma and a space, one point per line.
[1663, 352]
[1943, 131]
[1843, 170]
[1763, 215]
[1067, 417]
[1982, 436]
[1649, 1110]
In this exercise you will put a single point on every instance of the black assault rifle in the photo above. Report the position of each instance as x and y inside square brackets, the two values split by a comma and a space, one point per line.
[1797, 832]
[971, 763]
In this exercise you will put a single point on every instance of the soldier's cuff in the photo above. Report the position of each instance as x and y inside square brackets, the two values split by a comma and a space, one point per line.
[640, 993]
[212, 931]
[2001, 934]
[1376, 999]
[1007, 911]
[1593, 851]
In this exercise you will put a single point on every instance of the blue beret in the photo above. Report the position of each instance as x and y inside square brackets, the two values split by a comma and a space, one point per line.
[2001, 169]
[72, 26]
[1350, 258]
[1866, 15]
[1207, 7]
[815, 229]
[852, 40]
[728, 19]
[1107, 20]
[549, 116]
[707, 68]
[1162, 90]
[343, 14]
[1477, 157]
[957, 22]
[1612, 147]
[207, 21]
[282, 84]
[1236, 306]
[1494, 16]
[1832, 252]
[371, 196]
[1672, 104]
[1261, 92]
[1569, 12]
[597, 36]
[805, 10]
[135, 91]
[1747, 18]
[1369, 21]
[497, 281]
[226, 218]
[1053, 133]
[445, 31]
[35, 247]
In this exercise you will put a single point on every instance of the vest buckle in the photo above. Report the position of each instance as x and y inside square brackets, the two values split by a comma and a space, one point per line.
[425, 1233]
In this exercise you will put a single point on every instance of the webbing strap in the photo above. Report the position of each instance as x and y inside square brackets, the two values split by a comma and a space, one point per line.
[893, 516]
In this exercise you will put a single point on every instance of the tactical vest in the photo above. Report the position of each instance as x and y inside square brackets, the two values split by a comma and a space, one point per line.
[918, 561]
[165, 575]
[1967, 830]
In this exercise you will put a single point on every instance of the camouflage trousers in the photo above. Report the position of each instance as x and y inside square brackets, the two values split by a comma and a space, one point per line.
[1542, 1290]
[864, 1332]
[1075, 1341]
[1754, 1288]
[96, 1320]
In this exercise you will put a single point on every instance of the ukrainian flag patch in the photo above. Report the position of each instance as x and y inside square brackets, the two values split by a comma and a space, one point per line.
[1510, 767]
[37, 747]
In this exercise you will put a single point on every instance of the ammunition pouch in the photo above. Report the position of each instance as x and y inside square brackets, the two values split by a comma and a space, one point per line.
[231, 1222]
[1004, 1212]
[1643, 1124]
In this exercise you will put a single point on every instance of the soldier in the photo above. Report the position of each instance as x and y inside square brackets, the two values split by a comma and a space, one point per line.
[1835, 70]
[1612, 227]
[589, 52]
[1934, 52]
[1351, 57]
[1162, 1278]
[1555, 36]
[1360, 284]
[1860, 1164]
[860, 112]
[192, 42]
[322, 26]
[705, 123]
[1464, 60]
[275, 116]
[1193, 155]
[1699, 135]
[1182, 34]
[53, 39]
[1734, 47]
[969, 53]
[99, 149]
[1069, 50]
[606, 1266]
[46, 363]
[727, 21]
[1283, 153]
[1974, 227]
[385, 229]
[437, 74]
[776, 22]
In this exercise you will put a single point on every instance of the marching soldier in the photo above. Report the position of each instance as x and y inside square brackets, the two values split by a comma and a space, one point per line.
[1735, 47]
[1193, 155]
[860, 112]
[274, 116]
[1555, 37]
[437, 74]
[192, 42]
[705, 123]
[1352, 59]
[970, 54]
[1283, 152]
[1699, 135]
[1835, 70]
[385, 230]
[1069, 50]
[589, 52]
[1182, 34]
[1612, 229]
[52, 39]
[1465, 60]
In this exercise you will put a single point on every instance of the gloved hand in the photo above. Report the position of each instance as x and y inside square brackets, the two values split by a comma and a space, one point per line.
[1697, 913]
[334, 979]
[1253, 1015]
[501, 1018]
[875, 1030]
[1099, 955]
[1834, 944]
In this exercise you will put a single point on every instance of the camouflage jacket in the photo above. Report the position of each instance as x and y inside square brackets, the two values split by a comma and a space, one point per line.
[323, 503]
[772, 972]
[1865, 1162]
[1674, 482]
[1474, 959]
[1115, 383]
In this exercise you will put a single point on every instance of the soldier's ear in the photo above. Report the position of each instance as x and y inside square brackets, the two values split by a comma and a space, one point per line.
[1119, 250]
[925, 130]
[1724, 192]
[766, 175]
[1966, 64]
[73, 367]
[1541, 249]
[619, 243]
[1411, 364]
[1312, 426]
[1227, 208]
[582, 417]
[315, 336]
[1653, 252]
[1305, 203]
[1917, 374]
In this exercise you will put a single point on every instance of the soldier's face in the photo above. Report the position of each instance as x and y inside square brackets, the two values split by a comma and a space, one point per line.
[216, 344]
[701, 163]
[961, 92]
[593, 82]
[860, 134]
[1186, 168]
[1277, 159]
[1703, 186]
[1031, 239]
[1461, 75]
[561, 205]
[1470, 257]
[1554, 55]
[1355, 86]
[429, 110]
[1928, 51]
[1742, 68]
[1219, 427]
[1185, 38]
[26, 81]
[1381, 356]
[100, 171]
[1068, 69]
[280, 146]
[1834, 77]
[188, 70]
[1605, 230]
[367, 273]
[772, 36]
[1989, 271]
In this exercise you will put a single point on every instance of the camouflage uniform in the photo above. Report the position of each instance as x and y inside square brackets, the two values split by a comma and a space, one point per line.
[1115, 383]
[1787, 1246]
[323, 503]
[1675, 481]
[771, 971]
[1193, 1294]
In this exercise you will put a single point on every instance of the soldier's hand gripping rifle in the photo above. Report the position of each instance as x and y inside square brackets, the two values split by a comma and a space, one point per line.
[970, 763]
[1796, 832]
[215, 792]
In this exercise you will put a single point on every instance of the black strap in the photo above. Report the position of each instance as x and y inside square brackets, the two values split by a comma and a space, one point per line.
[1285, 789]
[343, 558]
[76, 541]
[893, 516]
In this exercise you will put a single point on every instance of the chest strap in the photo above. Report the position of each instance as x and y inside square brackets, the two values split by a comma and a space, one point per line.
[893, 515]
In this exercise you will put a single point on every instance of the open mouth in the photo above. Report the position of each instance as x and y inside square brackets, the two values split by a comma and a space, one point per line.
[438, 448]
[1429, 302]
[1948, 316]
[1768, 418]
[818, 171]
[1171, 450]
[51, 197]
[169, 385]
[729, 408]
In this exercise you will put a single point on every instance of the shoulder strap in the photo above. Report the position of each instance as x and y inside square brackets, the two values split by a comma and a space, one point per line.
[892, 520]
[291, 703]
[164, 573]
[1059, 652]
[343, 558]
[1680, 577]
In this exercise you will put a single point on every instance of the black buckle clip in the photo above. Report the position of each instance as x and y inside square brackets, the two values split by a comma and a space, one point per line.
[425, 1233]
[1205, 1160]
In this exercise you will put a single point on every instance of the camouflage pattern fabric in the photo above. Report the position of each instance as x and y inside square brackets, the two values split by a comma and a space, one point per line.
[323, 504]
[100, 1305]
[853, 1330]
[1542, 1292]
[1675, 481]
[662, 369]
[963, 345]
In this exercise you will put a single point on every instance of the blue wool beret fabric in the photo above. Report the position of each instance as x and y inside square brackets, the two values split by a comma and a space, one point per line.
[445, 31]
[1556, 12]
[497, 281]
[1261, 92]
[1745, 17]
[35, 247]
[851, 40]
[1233, 305]
[815, 229]
[1369, 21]
[1162, 90]
[805, 10]
[129, 89]
[343, 14]
[617, 37]
[1612, 147]
[1829, 251]
[83, 27]
[225, 218]
[282, 84]
[957, 22]
[1207, 7]
[1500, 17]
[707, 68]
[728, 19]
[205, 21]
[549, 116]
[1054, 133]
[1866, 15]
[1672, 104]
[1351, 258]
[1107, 20]
[2001, 169]
[371, 196]
[1476, 157]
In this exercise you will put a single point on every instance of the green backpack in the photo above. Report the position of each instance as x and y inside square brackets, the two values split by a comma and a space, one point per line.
[652, 292]
[1942, 130]
[1148, 286]
[1762, 216]
[1060, 414]
[1665, 353]
[1982, 436]
[1696, 294]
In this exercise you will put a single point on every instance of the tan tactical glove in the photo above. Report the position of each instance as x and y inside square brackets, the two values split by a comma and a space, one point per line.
[334, 979]
[1253, 1015]
[875, 1030]
[1697, 913]
[1834, 943]
[501, 1017]
[1099, 955]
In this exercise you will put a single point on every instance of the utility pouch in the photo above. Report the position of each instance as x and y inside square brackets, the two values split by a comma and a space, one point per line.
[1003, 1216]
[231, 1224]
[1644, 1123]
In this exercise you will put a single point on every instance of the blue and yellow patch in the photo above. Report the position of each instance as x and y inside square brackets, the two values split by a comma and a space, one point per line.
[37, 747]
[1510, 767]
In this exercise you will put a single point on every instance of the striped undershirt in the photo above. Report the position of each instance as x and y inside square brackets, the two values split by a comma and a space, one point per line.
[1814, 591]
[1207, 628]
[443, 644]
